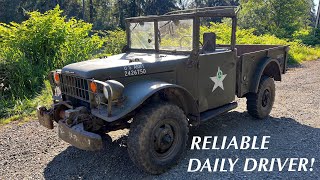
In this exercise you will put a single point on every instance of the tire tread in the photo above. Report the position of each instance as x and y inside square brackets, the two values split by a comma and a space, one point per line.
[252, 98]
[138, 135]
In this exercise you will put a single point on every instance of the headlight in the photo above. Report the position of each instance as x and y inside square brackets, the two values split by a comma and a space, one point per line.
[113, 90]
[106, 91]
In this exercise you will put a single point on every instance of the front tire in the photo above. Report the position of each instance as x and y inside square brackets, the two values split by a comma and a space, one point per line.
[259, 105]
[158, 137]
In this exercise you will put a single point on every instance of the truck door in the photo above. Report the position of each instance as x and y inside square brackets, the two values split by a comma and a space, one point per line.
[217, 79]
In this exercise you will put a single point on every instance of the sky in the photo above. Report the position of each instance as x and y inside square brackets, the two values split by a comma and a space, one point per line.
[316, 2]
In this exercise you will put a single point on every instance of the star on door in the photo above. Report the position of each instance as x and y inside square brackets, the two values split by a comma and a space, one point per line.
[218, 80]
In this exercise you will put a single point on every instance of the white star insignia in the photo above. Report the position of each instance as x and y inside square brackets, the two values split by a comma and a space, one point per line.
[218, 80]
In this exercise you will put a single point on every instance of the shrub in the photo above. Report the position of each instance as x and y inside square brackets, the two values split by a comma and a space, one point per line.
[42, 43]
[307, 36]
[114, 41]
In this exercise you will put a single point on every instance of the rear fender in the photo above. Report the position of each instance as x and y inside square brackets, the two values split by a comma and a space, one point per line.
[269, 67]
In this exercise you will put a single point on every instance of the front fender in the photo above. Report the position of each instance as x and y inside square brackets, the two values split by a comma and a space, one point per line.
[138, 92]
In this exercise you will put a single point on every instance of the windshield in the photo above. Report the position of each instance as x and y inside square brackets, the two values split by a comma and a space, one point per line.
[176, 35]
[142, 35]
[173, 35]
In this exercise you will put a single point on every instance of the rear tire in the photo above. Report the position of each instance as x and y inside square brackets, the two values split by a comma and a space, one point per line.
[259, 105]
[158, 137]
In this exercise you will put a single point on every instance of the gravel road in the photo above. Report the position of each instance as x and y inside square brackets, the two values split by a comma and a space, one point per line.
[32, 152]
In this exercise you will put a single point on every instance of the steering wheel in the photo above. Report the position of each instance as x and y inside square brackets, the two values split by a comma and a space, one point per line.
[180, 41]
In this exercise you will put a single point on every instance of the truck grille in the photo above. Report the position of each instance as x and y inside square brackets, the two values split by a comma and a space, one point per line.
[74, 86]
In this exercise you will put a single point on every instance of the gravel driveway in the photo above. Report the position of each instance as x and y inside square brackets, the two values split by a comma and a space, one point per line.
[33, 152]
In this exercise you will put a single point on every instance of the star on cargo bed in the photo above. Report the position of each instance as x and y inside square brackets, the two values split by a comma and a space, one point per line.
[218, 80]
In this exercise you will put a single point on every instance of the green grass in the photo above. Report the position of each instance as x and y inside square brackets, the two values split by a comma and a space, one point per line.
[25, 109]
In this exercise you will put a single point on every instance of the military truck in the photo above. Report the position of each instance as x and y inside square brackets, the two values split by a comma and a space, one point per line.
[168, 78]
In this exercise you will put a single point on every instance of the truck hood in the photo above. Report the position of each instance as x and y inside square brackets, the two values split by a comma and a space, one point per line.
[126, 64]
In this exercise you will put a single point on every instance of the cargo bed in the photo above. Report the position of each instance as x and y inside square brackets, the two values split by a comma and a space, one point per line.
[250, 61]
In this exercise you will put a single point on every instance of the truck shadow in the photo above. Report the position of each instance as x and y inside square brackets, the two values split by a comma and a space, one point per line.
[289, 139]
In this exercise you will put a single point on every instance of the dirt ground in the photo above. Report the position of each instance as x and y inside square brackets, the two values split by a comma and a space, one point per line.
[32, 152]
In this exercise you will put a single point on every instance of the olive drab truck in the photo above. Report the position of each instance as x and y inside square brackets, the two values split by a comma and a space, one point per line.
[168, 78]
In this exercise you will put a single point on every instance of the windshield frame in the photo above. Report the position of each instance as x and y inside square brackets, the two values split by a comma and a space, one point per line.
[195, 14]
[154, 35]
[170, 24]
[155, 20]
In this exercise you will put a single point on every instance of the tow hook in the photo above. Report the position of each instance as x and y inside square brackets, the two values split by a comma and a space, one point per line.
[45, 117]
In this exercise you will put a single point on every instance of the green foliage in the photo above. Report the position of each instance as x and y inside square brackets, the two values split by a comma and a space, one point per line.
[26, 107]
[307, 36]
[114, 41]
[297, 54]
[279, 17]
[42, 43]
[16, 10]
[104, 14]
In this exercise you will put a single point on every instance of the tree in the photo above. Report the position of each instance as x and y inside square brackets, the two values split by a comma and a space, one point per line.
[279, 17]
[16, 10]
[208, 3]
[159, 7]
[184, 4]
[8, 11]
[130, 8]
[318, 16]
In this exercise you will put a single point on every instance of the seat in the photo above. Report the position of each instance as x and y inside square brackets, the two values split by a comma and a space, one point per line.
[209, 42]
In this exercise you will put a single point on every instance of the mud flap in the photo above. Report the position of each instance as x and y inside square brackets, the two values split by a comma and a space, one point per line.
[45, 117]
[78, 137]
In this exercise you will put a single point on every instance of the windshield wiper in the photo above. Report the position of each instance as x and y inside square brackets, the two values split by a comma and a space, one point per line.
[134, 26]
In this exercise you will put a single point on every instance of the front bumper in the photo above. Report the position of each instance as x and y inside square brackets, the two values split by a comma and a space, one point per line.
[75, 135]
[78, 137]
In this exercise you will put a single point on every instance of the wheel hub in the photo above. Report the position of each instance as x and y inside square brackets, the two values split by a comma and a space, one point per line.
[164, 138]
[167, 139]
[266, 98]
